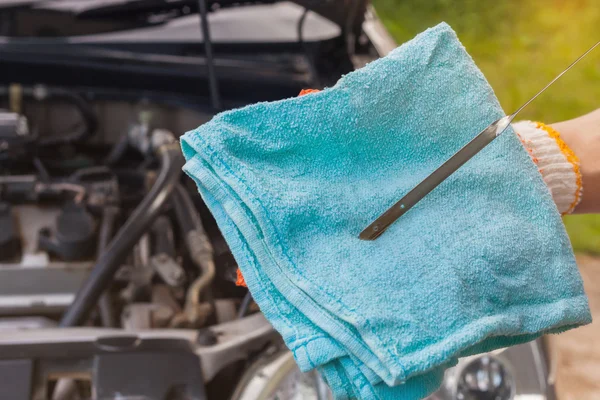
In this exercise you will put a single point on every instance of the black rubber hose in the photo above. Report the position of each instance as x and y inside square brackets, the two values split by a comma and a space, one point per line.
[171, 161]
[107, 312]
[90, 120]
[163, 236]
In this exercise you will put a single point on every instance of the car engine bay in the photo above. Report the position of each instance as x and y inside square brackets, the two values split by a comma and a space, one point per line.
[71, 204]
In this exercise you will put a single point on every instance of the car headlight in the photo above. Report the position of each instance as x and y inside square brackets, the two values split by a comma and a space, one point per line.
[277, 377]
[485, 378]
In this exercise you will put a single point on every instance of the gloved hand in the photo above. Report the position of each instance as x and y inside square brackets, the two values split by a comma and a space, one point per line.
[556, 161]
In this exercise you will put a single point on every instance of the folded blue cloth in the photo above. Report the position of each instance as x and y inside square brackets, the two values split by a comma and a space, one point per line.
[346, 377]
[482, 262]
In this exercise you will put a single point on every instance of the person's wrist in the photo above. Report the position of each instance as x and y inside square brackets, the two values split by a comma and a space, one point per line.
[583, 136]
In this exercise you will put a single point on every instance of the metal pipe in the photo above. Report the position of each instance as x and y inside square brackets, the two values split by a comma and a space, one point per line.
[199, 247]
[196, 245]
[138, 222]
[245, 305]
[210, 63]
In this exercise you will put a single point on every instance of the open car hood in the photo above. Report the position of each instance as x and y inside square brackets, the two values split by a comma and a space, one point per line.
[348, 14]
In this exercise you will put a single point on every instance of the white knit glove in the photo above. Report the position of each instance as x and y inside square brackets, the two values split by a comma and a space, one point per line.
[556, 162]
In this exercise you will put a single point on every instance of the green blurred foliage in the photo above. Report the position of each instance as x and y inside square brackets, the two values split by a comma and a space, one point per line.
[520, 45]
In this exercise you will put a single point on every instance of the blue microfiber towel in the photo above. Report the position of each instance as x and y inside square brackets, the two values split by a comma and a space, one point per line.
[481, 262]
[346, 379]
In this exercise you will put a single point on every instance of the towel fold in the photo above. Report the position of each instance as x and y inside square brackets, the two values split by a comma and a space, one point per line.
[482, 262]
